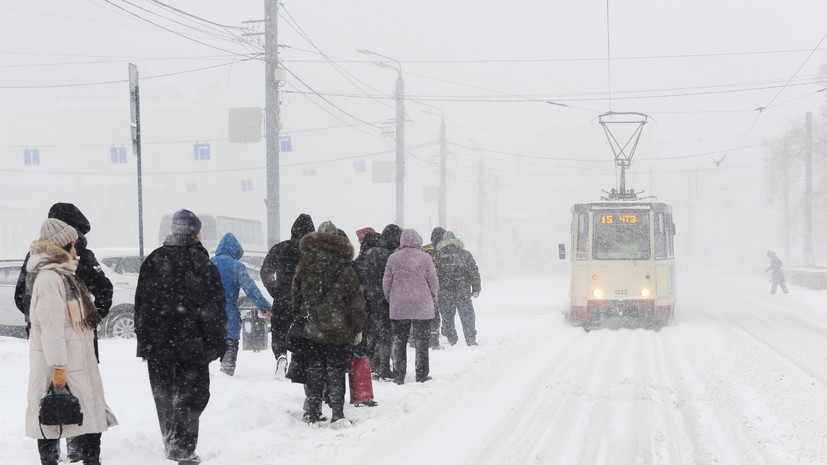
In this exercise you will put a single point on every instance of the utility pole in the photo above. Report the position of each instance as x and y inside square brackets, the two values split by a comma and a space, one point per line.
[400, 149]
[443, 174]
[808, 191]
[272, 118]
[786, 189]
[481, 206]
[135, 130]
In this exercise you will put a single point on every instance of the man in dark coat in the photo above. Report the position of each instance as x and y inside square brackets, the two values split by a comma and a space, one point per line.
[181, 326]
[277, 275]
[430, 249]
[368, 241]
[326, 293]
[459, 280]
[379, 339]
[90, 273]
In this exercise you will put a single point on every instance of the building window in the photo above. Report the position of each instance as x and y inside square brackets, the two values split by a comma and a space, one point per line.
[202, 151]
[31, 157]
[191, 187]
[246, 185]
[118, 155]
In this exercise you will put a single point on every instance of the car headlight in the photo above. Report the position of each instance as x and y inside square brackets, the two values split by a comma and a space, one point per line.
[644, 292]
[597, 293]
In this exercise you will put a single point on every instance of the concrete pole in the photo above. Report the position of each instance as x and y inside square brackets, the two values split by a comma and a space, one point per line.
[400, 149]
[808, 192]
[272, 118]
[443, 175]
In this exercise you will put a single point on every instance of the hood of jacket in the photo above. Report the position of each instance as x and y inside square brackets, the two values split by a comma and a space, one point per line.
[450, 242]
[333, 243]
[302, 226]
[391, 236]
[44, 252]
[71, 215]
[411, 238]
[436, 235]
[229, 245]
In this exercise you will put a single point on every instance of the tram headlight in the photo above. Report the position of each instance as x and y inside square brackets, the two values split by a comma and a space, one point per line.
[597, 293]
[644, 292]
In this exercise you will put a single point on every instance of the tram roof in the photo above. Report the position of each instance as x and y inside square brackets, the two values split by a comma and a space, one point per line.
[639, 204]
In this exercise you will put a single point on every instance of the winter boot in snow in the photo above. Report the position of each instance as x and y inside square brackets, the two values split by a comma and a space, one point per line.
[341, 423]
[230, 357]
[281, 367]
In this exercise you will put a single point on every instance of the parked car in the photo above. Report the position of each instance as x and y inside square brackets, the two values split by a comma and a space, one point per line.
[121, 265]
[12, 321]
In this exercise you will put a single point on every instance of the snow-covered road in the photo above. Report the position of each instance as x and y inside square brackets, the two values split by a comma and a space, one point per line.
[740, 377]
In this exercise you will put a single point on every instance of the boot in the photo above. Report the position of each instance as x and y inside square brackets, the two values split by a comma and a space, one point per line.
[230, 357]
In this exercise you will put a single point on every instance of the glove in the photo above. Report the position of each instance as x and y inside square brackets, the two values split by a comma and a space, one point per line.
[59, 378]
[356, 340]
[475, 294]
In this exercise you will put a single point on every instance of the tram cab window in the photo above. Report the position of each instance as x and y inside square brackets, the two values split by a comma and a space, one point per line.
[621, 235]
[582, 236]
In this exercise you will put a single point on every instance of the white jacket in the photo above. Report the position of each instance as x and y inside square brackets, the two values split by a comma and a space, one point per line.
[55, 343]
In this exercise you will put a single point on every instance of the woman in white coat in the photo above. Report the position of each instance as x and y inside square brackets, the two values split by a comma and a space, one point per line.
[61, 347]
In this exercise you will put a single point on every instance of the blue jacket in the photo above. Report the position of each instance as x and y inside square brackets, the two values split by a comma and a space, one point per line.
[234, 276]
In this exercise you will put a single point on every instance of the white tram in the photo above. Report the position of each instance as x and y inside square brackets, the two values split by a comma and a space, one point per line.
[623, 263]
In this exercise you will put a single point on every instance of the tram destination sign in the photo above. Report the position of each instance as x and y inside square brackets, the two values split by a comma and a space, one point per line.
[622, 218]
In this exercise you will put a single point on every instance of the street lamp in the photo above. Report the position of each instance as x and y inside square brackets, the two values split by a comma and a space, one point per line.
[400, 134]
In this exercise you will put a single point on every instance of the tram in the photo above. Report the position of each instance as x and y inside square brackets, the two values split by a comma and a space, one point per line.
[623, 250]
[623, 263]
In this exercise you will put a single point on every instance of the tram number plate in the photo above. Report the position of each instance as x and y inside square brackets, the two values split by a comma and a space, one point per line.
[621, 291]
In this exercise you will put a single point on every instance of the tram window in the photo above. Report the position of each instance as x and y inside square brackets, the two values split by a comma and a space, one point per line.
[621, 235]
[661, 236]
[582, 250]
[670, 235]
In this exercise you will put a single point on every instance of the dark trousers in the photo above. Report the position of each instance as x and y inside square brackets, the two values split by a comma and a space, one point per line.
[181, 391]
[433, 340]
[230, 357]
[85, 448]
[326, 367]
[449, 307]
[421, 330]
[379, 344]
[775, 285]
[279, 325]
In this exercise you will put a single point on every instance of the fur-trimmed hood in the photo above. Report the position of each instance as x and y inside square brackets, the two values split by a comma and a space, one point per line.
[334, 243]
[447, 242]
[44, 252]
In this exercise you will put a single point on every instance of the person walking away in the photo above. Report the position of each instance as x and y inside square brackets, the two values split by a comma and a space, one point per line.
[234, 277]
[181, 326]
[61, 347]
[327, 295]
[379, 338]
[369, 240]
[430, 249]
[459, 280]
[777, 273]
[277, 275]
[410, 284]
[91, 275]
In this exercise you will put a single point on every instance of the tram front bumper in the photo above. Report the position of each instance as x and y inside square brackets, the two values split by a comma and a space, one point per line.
[608, 308]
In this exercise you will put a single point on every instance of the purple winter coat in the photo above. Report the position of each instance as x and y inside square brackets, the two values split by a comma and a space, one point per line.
[410, 281]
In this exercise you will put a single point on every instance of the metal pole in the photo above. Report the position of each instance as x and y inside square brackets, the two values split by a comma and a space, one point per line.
[443, 175]
[271, 113]
[808, 192]
[135, 97]
[481, 206]
[400, 149]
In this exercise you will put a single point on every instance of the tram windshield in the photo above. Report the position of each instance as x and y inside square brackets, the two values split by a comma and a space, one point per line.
[621, 235]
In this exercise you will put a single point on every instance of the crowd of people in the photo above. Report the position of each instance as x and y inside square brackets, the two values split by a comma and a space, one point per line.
[337, 305]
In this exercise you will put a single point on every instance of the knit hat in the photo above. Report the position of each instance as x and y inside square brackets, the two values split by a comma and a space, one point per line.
[328, 228]
[360, 233]
[185, 223]
[57, 232]
[436, 235]
[71, 215]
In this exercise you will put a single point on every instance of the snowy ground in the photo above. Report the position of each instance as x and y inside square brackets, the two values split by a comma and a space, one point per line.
[740, 377]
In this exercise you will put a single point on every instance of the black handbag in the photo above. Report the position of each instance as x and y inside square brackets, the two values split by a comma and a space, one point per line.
[296, 342]
[59, 409]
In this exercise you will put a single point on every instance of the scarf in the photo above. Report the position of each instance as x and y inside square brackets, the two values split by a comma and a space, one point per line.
[82, 310]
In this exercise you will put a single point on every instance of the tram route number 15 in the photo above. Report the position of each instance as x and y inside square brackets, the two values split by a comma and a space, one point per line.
[626, 219]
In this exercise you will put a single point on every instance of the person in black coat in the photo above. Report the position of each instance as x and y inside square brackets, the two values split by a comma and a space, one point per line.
[277, 275]
[91, 274]
[378, 339]
[459, 280]
[181, 326]
[369, 241]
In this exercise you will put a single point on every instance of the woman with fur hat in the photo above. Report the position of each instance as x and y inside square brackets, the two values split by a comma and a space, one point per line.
[61, 346]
